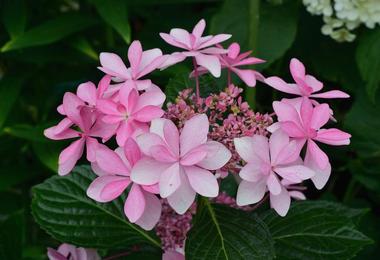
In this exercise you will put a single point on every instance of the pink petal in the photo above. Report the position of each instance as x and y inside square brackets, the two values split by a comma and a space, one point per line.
[281, 202]
[331, 94]
[194, 156]
[63, 125]
[318, 155]
[132, 151]
[162, 154]
[306, 112]
[250, 192]
[170, 40]
[91, 147]
[199, 28]
[87, 92]
[110, 161]
[171, 136]
[214, 40]
[153, 98]
[217, 156]
[183, 198]
[233, 50]
[251, 148]
[297, 69]
[322, 175]
[321, 115]
[172, 255]
[333, 136]
[194, 133]
[147, 141]
[295, 173]
[108, 107]
[297, 195]
[312, 82]
[253, 172]
[214, 51]
[154, 64]
[286, 112]
[69, 156]
[148, 113]
[274, 185]
[103, 85]
[135, 204]
[152, 212]
[249, 61]
[279, 144]
[211, 63]
[248, 76]
[279, 84]
[148, 57]
[72, 105]
[202, 181]
[65, 134]
[113, 65]
[124, 131]
[170, 180]
[292, 129]
[107, 188]
[181, 36]
[143, 84]
[147, 171]
[134, 56]
[172, 59]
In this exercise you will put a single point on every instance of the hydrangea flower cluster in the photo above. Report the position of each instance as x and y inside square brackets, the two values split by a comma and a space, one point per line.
[343, 16]
[165, 158]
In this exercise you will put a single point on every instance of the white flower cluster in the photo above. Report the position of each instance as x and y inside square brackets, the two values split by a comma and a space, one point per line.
[343, 16]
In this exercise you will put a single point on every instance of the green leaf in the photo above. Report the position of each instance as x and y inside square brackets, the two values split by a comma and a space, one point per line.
[50, 31]
[316, 230]
[60, 206]
[83, 45]
[12, 231]
[27, 132]
[276, 31]
[220, 232]
[368, 60]
[9, 92]
[114, 13]
[368, 176]
[14, 17]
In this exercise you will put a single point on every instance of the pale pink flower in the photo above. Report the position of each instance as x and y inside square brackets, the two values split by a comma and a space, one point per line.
[266, 160]
[197, 46]
[132, 113]
[180, 163]
[90, 126]
[141, 206]
[305, 85]
[233, 60]
[305, 127]
[141, 63]
[70, 252]
[173, 255]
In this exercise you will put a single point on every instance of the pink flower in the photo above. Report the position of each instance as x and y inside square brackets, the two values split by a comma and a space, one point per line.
[197, 47]
[305, 85]
[305, 126]
[90, 126]
[141, 206]
[180, 163]
[173, 255]
[141, 62]
[132, 113]
[234, 59]
[70, 252]
[266, 160]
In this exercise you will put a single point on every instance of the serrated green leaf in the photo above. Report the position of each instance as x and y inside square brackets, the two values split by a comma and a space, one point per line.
[14, 17]
[221, 232]
[50, 31]
[114, 13]
[60, 206]
[368, 60]
[9, 91]
[316, 230]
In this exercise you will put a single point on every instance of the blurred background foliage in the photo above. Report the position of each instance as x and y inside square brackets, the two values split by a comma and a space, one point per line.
[49, 47]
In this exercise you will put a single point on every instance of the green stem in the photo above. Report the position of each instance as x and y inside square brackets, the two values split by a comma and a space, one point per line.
[253, 29]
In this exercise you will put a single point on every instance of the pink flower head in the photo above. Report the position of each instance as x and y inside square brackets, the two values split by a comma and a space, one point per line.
[132, 113]
[180, 163]
[141, 206]
[197, 46]
[305, 85]
[70, 252]
[90, 126]
[141, 63]
[266, 160]
[233, 60]
[305, 126]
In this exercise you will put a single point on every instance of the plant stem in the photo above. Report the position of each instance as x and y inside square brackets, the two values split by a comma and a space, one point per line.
[253, 28]
[196, 80]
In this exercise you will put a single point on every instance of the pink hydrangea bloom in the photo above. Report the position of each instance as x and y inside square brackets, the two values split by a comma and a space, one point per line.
[132, 113]
[70, 252]
[305, 85]
[233, 60]
[180, 163]
[141, 206]
[141, 63]
[266, 160]
[197, 46]
[90, 127]
[304, 126]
